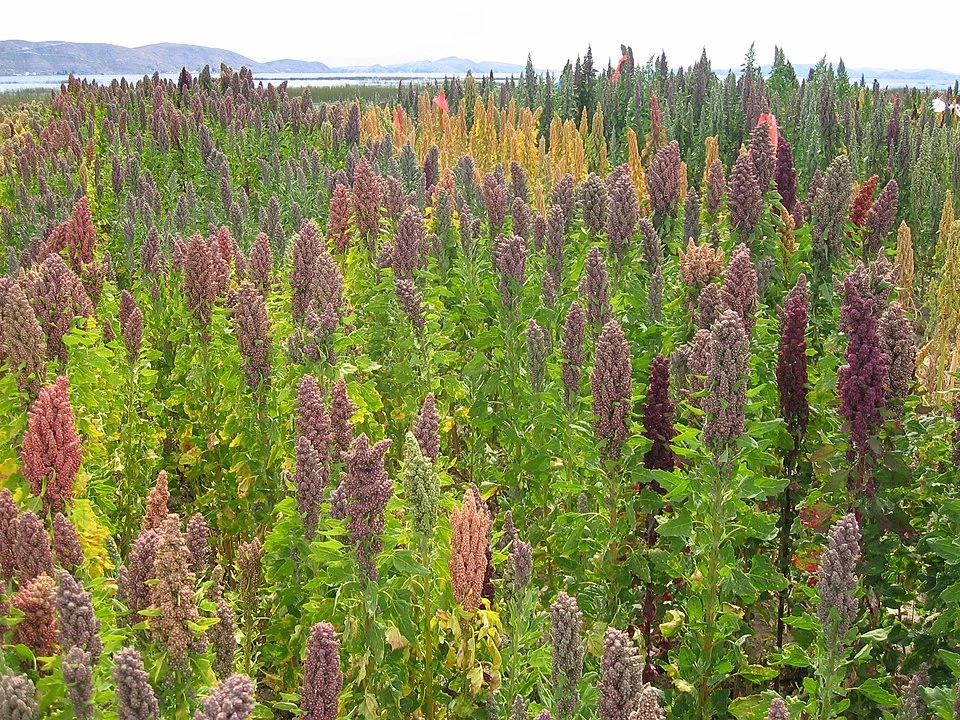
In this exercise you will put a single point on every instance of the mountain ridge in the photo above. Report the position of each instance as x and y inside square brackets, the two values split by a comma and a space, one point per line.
[58, 57]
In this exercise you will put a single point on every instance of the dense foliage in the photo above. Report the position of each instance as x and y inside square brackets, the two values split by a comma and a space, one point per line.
[615, 395]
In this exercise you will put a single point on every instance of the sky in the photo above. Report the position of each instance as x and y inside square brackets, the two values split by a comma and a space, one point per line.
[392, 31]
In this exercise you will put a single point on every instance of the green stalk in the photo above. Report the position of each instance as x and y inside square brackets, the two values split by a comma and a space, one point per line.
[715, 537]
[428, 701]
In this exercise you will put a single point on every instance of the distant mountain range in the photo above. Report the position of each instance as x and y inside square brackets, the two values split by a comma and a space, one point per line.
[20, 57]
[892, 78]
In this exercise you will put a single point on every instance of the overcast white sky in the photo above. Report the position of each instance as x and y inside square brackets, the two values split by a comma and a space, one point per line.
[342, 32]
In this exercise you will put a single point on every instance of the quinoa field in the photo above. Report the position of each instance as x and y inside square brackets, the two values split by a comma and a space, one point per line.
[625, 393]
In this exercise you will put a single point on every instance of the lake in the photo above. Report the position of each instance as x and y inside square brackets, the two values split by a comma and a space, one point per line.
[53, 82]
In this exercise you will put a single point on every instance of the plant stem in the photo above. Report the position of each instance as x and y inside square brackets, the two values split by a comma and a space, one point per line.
[429, 709]
[715, 535]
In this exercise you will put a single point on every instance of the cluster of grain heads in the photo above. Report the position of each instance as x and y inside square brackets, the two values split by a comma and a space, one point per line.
[173, 594]
[17, 697]
[469, 545]
[571, 347]
[361, 498]
[862, 382]
[620, 677]
[658, 418]
[611, 390]
[232, 699]
[837, 580]
[746, 197]
[792, 376]
[421, 486]
[51, 450]
[135, 697]
[729, 371]
[23, 346]
[322, 676]
[566, 626]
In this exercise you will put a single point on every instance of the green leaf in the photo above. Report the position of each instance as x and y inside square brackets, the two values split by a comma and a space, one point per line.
[678, 526]
[872, 689]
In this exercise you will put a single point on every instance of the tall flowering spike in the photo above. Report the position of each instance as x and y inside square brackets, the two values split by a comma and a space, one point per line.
[409, 249]
[151, 261]
[198, 543]
[862, 381]
[746, 197]
[250, 571]
[763, 155]
[495, 201]
[555, 241]
[564, 195]
[306, 249]
[38, 627]
[135, 698]
[610, 385]
[863, 201]
[421, 486]
[881, 216]
[342, 409]
[232, 699]
[131, 325]
[538, 346]
[699, 264]
[691, 215]
[622, 211]
[544, 715]
[709, 306]
[23, 346]
[362, 496]
[410, 300]
[58, 297]
[157, 500]
[658, 417]
[31, 549]
[837, 580]
[312, 420]
[520, 215]
[716, 187]
[727, 382]
[595, 288]
[138, 571]
[248, 312]
[17, 697]
[518, 711]
[648, 705]
[322, 676]
[426, 428]
[792, 379]
[739, 291]
[78, 676]
[309, 480]
[200, 281]
[652, 246]
[518, 180]
[223, 634]
[80, 234]
[367, 197]
[785, 176]
[519, 568]
[900, 349]
[663, 180]
[468, 550]
[51, 451]
[829, 211]
[571, 347]
[76, 623]
[338, 227]
[66, 544]
[510, 259]
[778, 710]
[173, 594]
[592, 198]
[9, 514]
[261, 264]
[620, 677]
